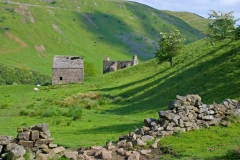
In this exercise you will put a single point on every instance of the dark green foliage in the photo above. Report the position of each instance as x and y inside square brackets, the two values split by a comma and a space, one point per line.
[237, 32]
[170, 44]
[53, 2]
[222, 27]
[11, 75]
[89, 70]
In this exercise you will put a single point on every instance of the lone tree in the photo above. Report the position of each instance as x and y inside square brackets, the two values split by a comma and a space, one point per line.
[222, 26]
[170, 44]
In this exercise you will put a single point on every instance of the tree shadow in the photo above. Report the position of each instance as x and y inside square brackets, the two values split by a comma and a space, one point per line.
[206, 78]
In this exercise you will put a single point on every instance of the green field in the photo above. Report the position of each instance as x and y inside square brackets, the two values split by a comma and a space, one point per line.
[142, 90]
[106, 106]
[33, 31]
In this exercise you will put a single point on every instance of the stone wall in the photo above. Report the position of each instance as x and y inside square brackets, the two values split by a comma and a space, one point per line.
[185, 113]
[111, 66]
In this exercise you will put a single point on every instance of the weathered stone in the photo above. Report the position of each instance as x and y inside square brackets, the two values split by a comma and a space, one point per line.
[155, 144]
[51, 145]
[188, 124]
[215, 122]
[226, 123]
[55, 151]
[26, 144]
[122, 144]
[40, 142]
[34, 135]
[106, 155]
[40, 127]
[170, 128]
[209, 117]
[174, 104]
[201, 110]
[181, 98]
[146, 128]
[140, 142]
[44, 148]
[70, 154]
[16, 153]
[42, 156]
[43, 135]
[1, 148]
[160, 128]
[134, 156]
[111, 147]
[148, 121]
[163, 123]
[4, 140]
[121, 152]
[147, 138]
[145, 151]
[128, 153]
[129, 145]
[97, 147]
[10, 147]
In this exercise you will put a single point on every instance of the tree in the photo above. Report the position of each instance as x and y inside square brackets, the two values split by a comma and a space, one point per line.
[222, 26]
[170, 44]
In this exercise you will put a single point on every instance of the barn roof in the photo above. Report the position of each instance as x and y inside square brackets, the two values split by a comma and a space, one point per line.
[67, 62]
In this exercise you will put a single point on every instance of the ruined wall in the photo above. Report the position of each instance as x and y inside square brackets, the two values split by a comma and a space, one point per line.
[111, 66]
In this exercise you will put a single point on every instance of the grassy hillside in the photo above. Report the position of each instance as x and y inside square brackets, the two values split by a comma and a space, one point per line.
[192, 19]
[33, 31]
[127, 97]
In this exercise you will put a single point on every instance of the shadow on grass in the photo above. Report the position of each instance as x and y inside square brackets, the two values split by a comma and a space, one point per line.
[116, 128]
[213, 79]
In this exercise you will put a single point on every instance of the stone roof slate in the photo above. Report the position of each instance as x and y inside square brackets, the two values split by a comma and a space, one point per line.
[67, 62]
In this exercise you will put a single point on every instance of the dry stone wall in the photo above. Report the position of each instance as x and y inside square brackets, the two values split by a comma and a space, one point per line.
[185, 113]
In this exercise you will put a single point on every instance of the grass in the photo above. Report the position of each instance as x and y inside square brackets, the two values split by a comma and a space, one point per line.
[140, 92]
[212, 143]
[79, 28]
[192, 19]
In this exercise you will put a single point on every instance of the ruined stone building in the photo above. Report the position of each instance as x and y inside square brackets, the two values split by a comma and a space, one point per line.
[67, 69]
[110, 66]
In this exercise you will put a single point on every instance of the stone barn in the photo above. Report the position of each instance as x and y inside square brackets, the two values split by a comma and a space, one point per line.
[67, 69]
[110, 66]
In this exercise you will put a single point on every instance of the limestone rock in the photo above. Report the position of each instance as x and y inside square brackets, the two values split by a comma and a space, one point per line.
[134, 156]
[4, 140]
[16, 153]
[34, 135]
[121, 151]
[145, 152]
[55, 151]
[106, 155]
[40, 127]
[147, 138]
[148, 121]
[70, 154]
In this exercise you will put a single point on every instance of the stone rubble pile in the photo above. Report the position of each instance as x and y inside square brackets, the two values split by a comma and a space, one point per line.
[35, 139]
[185, 113]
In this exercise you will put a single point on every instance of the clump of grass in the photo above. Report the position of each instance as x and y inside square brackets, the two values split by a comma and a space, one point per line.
[4, 106]
[52, 112]
[75, 112]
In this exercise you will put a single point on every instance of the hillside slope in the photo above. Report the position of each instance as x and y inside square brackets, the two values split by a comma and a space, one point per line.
[192, 19]
[33, 31]
[211, 72]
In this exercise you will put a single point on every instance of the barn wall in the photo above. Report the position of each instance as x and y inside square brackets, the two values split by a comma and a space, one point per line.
[65, 76]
